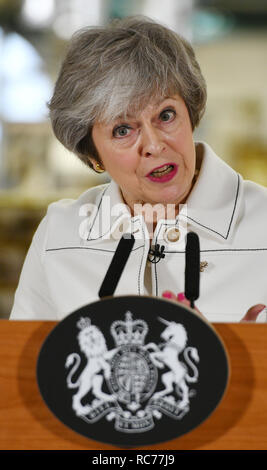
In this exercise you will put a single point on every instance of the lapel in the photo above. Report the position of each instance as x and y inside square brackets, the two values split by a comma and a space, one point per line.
[216, 199]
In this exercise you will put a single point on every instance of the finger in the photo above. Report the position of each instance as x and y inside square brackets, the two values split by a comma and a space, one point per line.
[253, 313]
[180, 298]
[167, 294]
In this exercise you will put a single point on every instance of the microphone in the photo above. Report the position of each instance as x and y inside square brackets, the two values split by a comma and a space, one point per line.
[117, 265]
[192, 267]
[156, 254]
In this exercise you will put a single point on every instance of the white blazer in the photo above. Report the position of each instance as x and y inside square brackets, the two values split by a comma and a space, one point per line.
[74, 244]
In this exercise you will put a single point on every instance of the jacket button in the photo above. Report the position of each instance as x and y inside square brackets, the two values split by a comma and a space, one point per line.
[173, 234]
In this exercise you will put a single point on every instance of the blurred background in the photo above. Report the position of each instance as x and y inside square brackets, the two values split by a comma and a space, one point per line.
[230, 40]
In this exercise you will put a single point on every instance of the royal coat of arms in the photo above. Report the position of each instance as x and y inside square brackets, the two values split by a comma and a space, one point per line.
[141, 381]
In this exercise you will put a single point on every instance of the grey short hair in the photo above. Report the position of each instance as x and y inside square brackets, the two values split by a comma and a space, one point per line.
[113, 70]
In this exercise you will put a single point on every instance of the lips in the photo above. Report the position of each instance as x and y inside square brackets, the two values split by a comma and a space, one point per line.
[163, 173]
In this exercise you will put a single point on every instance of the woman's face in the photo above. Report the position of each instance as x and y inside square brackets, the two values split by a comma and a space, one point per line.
[151, 155]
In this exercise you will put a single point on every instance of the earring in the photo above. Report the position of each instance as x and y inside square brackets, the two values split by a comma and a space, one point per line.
[98, 168]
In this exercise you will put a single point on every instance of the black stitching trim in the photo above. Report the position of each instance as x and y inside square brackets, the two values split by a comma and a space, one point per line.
[231, 220]
[140, 267]
[87, 248]
[237, 249]
[156, 279]
[236, 197]
[98, 209]
[222, 249]
[155, 264]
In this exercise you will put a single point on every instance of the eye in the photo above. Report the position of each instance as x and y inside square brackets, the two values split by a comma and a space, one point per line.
[121, 131]
[167, 115]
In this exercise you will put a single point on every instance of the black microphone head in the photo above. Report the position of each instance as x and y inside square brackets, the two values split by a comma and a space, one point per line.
[117, 265]
[192, 266]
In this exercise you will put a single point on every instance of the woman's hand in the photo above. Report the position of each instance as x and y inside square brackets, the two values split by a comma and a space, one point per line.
[180, 298]
[250, 316]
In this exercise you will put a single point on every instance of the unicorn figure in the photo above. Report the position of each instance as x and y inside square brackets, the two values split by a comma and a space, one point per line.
[175, 380]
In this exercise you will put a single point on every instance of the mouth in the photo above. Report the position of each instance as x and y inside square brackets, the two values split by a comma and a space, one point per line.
[163, 173]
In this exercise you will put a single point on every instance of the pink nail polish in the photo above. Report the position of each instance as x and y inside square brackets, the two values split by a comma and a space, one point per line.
[181, 297]
[167, 295]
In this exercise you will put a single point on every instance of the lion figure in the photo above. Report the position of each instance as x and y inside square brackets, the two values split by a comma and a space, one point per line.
[92, 343]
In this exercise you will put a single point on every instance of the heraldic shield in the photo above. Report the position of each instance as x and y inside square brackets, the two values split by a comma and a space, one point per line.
[132, 371]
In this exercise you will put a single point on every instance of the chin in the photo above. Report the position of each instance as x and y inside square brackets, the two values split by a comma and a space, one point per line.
[170, 196]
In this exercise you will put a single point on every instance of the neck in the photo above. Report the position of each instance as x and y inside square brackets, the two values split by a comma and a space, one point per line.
[152, 212]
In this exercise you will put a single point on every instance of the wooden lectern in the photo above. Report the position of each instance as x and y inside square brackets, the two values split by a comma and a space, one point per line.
[239, 422]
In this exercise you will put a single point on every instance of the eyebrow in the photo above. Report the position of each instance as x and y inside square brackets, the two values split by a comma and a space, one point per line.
[156, 103]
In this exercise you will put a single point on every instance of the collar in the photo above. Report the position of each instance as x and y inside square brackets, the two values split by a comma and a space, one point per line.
[110, 211]
[213, 205]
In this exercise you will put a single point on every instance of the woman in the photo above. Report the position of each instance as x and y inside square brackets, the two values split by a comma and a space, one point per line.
[126, 101]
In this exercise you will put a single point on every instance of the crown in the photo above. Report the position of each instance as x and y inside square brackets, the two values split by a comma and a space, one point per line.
[129, 331]
[84, 322]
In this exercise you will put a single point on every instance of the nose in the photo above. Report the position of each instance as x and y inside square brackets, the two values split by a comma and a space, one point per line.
[152, 144]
